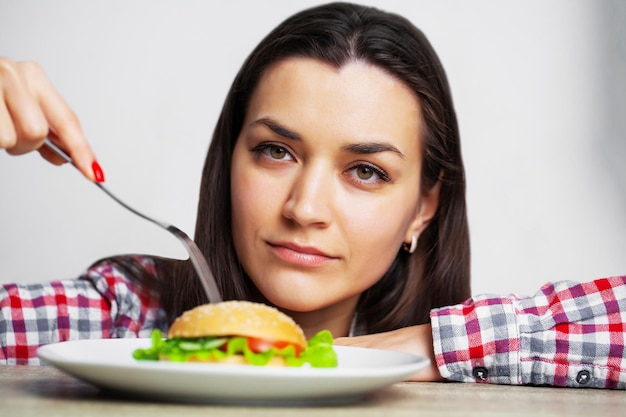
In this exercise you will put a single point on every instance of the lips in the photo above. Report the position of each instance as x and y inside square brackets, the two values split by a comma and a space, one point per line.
[306, 256]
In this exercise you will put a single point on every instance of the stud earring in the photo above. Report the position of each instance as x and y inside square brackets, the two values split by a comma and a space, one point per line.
[411, 248]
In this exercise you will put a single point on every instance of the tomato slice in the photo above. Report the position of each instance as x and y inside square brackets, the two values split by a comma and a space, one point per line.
[258, 345]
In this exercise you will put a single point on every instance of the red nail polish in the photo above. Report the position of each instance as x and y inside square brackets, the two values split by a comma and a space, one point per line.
[97, 171]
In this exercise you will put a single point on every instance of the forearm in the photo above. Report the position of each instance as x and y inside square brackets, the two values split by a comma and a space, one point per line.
[38, 314]
[417, 340]
[103, 304]
[568, 334]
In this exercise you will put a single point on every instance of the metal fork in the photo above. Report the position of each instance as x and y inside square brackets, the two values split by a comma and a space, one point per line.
[195, 255]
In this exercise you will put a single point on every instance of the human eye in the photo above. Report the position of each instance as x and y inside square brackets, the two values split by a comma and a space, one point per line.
[272, 151]
[367, 174]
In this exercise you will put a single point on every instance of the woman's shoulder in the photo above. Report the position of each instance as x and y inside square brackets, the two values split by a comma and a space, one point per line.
[125, 265]
[135, 273]
[131, 285]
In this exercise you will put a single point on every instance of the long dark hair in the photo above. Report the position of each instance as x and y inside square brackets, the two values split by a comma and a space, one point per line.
[438, 272]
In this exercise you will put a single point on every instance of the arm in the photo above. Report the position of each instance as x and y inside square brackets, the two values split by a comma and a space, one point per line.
[102, 304]
[568, 334]
[417, 340]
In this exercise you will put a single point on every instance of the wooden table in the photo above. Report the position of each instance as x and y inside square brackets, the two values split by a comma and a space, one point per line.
[45, 391]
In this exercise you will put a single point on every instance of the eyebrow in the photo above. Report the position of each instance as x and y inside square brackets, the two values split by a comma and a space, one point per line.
[277, 128]
[365, 148]
[369, 148]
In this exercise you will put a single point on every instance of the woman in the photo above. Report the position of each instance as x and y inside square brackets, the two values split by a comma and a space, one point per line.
[344, 206]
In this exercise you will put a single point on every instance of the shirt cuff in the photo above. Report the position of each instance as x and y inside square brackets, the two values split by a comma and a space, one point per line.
[477, 341]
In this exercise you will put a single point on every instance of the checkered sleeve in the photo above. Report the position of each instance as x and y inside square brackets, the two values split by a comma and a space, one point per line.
[102, 303]
[569, 334]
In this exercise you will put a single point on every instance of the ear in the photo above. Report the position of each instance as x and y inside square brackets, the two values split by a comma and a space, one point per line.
[426, 209]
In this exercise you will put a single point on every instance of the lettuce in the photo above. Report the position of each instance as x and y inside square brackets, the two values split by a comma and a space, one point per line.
[318, 354]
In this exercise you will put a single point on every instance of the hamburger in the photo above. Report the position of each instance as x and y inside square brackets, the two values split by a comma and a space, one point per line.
[239, 332]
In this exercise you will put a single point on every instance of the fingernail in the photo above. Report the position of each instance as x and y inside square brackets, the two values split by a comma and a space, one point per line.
[97, 171]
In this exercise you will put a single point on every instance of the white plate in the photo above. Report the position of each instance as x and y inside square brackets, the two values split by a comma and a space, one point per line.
[108, 363]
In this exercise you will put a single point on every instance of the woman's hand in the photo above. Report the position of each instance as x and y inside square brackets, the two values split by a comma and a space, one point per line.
[417, 340]
[31, 110]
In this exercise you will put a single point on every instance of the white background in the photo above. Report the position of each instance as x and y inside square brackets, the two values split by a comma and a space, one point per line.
[539, 88]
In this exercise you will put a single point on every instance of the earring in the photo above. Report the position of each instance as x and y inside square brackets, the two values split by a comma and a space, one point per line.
[411, 248]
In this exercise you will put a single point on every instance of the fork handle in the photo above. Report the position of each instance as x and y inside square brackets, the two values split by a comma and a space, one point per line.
[197, 258]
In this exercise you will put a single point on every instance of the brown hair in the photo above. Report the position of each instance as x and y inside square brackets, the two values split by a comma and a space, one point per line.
[437, 273]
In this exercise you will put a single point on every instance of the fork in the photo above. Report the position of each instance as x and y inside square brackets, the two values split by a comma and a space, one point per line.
[195, 254]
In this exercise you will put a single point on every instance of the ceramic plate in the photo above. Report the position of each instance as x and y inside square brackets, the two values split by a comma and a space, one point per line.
[108, 363]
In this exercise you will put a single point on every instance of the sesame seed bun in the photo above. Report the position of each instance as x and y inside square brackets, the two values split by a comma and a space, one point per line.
[238, 318]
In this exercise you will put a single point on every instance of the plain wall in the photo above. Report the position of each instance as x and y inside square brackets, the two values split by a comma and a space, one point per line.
[539, 90]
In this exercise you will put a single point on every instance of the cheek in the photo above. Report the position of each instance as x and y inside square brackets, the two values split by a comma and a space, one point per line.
[245, 204]
[376, 233]
[255, 202]
[243, 199]
[370, 234]
[244, 195]
[252, 192]
[383, 218]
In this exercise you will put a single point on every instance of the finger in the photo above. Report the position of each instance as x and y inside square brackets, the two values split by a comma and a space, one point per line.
[28, 126]
[50, 155]
[8, 136]
[65, 130]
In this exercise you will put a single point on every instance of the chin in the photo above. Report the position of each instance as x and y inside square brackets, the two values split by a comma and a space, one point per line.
[301, 301]
[303, 293]
[298, 304]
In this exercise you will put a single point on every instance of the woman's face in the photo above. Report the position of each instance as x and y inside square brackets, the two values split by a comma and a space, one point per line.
[326, 183]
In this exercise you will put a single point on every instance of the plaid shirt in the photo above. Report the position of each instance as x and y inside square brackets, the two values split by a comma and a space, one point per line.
[102, 303]
[569, 334]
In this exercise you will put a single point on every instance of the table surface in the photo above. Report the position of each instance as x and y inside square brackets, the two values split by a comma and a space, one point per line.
[46, 391]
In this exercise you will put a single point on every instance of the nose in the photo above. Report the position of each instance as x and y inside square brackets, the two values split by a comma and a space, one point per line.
[309, 201]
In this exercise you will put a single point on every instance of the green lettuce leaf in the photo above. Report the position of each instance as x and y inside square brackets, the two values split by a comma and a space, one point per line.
[318, 354]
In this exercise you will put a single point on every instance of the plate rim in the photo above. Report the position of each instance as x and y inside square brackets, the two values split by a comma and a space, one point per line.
[380, 376]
